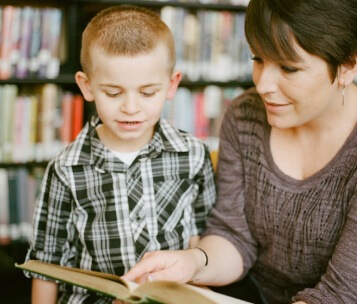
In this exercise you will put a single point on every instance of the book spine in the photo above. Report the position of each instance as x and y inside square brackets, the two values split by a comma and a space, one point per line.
[35, 42]
[8, 13]
[77, 122]
[14, 228]
[53, 65]
[9, 96]
[25, 41]
[67, 118]
[4, 208]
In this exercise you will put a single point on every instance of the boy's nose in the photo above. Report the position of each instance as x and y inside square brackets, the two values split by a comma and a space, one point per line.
[130, 105]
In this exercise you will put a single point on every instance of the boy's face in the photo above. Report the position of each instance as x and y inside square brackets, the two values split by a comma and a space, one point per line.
[129, 93]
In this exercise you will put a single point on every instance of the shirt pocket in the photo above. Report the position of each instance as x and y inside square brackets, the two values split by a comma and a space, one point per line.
[174, 200]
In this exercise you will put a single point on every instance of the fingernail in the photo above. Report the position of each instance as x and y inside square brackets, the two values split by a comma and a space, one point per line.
[151, 277]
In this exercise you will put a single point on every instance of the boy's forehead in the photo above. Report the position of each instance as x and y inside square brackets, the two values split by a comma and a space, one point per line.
[97, 53]
[143, 65]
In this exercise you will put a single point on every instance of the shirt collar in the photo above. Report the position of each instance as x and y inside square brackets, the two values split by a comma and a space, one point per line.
[87, 149]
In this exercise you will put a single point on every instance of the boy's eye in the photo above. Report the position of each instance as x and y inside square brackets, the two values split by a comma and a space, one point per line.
[148, 94]
[113, 95]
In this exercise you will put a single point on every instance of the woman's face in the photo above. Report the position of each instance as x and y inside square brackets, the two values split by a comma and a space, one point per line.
[296, 93]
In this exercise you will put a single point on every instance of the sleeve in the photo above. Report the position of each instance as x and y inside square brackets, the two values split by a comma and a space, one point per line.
[339, 283]
[51, 228]
[206, 198]
[228, 218]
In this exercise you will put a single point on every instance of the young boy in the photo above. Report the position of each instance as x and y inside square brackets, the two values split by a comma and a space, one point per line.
[130, 183]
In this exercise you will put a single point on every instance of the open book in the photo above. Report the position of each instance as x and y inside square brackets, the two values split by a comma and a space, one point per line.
[164, 292]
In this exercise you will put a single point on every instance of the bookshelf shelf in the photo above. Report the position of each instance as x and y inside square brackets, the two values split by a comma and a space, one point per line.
[69, 80]
[160, 4]
[61, 79]
[28, 165]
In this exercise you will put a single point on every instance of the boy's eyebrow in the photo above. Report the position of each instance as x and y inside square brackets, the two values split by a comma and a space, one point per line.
[143, 86]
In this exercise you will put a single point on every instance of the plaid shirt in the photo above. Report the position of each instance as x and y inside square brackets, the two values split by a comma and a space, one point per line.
[95, 212]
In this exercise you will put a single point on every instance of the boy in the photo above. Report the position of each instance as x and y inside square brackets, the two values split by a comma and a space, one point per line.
[130, 183]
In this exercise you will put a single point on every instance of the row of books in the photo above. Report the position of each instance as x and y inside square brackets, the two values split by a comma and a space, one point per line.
[200, 112]
[37, 122]
[36, 125]
[19, 189]
[30, 42]
[210, 45]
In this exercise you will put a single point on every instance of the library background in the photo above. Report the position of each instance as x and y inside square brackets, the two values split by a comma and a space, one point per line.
[42, 110]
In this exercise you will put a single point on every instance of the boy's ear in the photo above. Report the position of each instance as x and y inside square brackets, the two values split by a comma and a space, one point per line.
[174, 83]
[83, 83]
[347, 73]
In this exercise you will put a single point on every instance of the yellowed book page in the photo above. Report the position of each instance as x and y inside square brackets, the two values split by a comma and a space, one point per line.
[176, 293]
[110, 285]
[171, 293]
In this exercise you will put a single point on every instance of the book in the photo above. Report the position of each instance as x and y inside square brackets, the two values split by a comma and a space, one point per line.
[67, 120]
[8, 98]
[4, 208]
[164, 292]
[77, 115]
[8, 28]
[25, 41]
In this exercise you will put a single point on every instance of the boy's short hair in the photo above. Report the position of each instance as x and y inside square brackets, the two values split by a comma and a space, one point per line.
[126, 30]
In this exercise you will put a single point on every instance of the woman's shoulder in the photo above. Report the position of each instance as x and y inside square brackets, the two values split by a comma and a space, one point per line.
[248, 104]
[248, 98]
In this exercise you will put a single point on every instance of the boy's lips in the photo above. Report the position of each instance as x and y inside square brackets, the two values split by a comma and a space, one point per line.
[129, 122]
[129, 125]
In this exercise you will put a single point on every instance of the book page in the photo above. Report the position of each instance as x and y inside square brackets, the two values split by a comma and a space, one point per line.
[104, 283]
[170, 293]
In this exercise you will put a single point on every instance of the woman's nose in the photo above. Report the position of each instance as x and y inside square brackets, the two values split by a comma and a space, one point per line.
[265, 79]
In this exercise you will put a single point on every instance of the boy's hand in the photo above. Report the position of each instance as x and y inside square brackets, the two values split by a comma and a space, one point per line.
[179, 266]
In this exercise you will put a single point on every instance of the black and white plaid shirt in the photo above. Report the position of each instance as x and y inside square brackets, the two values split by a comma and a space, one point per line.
[95, 212]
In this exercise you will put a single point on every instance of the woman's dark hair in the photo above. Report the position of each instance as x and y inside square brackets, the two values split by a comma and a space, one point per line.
[325, 28]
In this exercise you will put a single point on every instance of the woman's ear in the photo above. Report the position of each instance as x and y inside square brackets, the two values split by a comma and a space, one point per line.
[83, 83]
[174, 83]
[347, 73]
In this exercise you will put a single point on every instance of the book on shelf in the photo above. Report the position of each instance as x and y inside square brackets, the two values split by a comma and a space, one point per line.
[7, 31]
[67, 118]
[19, 189]
[164, 292]
[35, 43]
[4, 208]
[8, 97]
[22, 66]
[77, 115]
[32, 41]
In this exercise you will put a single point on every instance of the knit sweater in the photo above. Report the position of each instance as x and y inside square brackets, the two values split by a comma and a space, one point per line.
[298, 238]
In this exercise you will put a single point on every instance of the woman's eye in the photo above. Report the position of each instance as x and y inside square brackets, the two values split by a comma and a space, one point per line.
[256, 59]
[288, 69]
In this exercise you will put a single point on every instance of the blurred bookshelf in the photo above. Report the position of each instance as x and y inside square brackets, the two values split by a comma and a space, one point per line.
[39, 55]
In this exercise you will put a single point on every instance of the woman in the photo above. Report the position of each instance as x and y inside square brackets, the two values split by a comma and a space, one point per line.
[286, 215]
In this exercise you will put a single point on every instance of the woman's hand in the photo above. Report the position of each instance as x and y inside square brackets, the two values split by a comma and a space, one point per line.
[178, 265]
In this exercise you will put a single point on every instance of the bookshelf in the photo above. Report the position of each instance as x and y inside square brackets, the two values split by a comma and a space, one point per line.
[217, 82]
